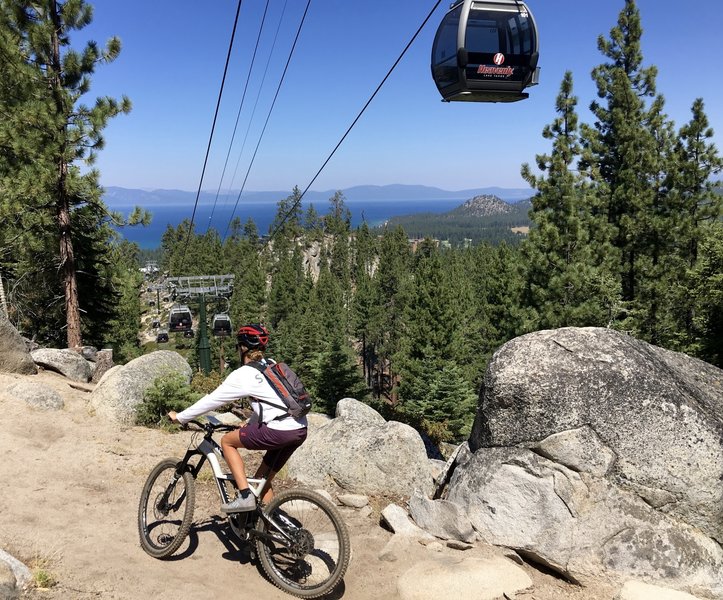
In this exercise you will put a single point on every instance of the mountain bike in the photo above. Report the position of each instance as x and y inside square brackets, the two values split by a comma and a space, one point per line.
[301, 541]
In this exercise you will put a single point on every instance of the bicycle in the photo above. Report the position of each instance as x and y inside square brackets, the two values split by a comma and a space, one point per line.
[301, 540]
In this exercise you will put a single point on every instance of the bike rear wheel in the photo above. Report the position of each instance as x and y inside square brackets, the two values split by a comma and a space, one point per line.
[317, 557]
[165, 511]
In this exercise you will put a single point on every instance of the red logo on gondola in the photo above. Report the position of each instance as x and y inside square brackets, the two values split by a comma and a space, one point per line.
[499, 58]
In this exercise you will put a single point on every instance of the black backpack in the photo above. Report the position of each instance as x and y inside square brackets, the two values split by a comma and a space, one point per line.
[288, 386]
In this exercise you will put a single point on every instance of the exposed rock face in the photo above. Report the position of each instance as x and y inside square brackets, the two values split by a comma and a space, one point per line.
[463, 579]
[36, 394]
[600, 455]
[14, 356]
[122, 388]
[482, 206]
[363, 454]
[659, 412]
[67, 362]
[579, 525]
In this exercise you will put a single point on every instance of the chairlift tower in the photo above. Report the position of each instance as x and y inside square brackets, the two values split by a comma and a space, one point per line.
[198, 288]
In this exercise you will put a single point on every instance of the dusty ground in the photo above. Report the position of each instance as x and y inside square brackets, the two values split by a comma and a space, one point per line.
[68, 502]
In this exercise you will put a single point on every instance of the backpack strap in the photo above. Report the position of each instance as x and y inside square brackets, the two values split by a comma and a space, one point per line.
[261, 368]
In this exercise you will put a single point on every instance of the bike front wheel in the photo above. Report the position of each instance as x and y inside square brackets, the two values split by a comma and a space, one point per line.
[311, 549]
[165, 511]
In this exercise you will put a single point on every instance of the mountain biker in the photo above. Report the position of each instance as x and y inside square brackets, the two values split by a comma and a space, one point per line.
[270, 428]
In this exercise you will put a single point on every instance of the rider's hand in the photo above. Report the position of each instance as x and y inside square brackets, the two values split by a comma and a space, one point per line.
[172, 415]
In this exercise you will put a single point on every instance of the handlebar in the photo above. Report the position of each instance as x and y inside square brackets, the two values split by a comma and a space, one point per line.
[211, 425]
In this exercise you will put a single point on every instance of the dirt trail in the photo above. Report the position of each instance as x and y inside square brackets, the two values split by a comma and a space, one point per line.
[68, 502]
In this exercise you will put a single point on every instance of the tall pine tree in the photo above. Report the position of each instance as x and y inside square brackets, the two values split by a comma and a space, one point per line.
[566, 282]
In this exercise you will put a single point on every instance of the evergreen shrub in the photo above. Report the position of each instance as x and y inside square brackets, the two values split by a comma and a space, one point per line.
[168, 392]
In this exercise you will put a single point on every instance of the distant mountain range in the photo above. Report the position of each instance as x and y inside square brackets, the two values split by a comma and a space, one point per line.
[117, 197]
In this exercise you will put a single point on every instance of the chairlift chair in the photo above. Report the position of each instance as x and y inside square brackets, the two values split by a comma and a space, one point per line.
[486, 51]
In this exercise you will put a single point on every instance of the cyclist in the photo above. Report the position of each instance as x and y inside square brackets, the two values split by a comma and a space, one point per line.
[270, 428]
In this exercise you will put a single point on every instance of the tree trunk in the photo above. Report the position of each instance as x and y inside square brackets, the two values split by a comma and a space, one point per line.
[67, 256]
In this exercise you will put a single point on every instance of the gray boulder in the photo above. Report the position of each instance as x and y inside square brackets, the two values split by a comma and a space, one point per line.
[582, 526]
[37, 395]
[363, 454]
[14, 355]
[8, 586]
[67, 362]
[103, 362]
[441, 518]
[658, 413]
[122, 388]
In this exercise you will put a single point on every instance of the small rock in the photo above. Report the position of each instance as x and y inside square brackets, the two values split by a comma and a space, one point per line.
[637, 590]
[457, 545]
[353, 500]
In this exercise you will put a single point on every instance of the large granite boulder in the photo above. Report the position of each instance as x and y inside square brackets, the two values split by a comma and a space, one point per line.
[14, 355]
[581, 526]
[121, 389]
[66, 362]
[659, 412]
[363, 454]
[624, 456]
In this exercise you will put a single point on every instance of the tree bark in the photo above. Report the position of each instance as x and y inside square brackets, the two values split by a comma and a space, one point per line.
[67, 256]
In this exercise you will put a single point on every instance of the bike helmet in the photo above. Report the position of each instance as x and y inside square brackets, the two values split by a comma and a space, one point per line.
[253, 336]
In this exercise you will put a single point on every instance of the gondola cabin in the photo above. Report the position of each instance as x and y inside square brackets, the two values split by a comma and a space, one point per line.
[180, 318]
[162, 337]
[486, 52]
[221, 325]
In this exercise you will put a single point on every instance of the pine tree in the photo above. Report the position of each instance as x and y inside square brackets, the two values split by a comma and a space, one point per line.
[565, 282]
[697, 205]
[391, 286]
[621, 152]
[66, 131]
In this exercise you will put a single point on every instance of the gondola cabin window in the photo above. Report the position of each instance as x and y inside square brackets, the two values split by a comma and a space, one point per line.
[485, 52]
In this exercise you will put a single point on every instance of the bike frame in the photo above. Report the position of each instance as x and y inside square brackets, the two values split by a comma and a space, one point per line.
[209, 450]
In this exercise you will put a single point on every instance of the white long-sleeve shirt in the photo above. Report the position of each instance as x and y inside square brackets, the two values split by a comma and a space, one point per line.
[245, 382]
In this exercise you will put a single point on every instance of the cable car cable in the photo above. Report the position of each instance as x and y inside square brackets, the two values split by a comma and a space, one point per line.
[238, 114]
[368, 102]
[210, 139]
[273, 103]
[258, 95]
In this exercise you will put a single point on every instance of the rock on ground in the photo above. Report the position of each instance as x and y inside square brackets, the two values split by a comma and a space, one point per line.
[14, 356]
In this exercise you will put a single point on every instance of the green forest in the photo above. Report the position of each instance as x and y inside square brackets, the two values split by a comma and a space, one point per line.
[625, 232]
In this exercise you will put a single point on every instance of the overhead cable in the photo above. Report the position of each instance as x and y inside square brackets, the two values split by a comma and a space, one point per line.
[273, 103]
[210, 139]
[361, 112]
[238, 114]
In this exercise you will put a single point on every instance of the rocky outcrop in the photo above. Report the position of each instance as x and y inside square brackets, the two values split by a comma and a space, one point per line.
[659, 412]
[598, 454]
[463, 578]
[361, 453]
[121, 389]
[37, 395]
[14, 356]
[579, 525]
[67, 362]
[442, 518]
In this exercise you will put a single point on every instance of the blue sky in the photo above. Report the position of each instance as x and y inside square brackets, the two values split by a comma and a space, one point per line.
[172, 63]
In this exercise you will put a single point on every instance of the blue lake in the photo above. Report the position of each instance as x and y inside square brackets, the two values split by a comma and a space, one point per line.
[374, 212]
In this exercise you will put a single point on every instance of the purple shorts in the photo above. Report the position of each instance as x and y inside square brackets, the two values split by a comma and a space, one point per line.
[279, 444]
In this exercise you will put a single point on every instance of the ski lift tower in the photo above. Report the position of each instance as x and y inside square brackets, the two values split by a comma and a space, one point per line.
[198, 288]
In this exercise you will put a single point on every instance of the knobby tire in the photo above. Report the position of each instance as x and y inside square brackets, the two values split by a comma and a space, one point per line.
[154, 540]
[321, 559]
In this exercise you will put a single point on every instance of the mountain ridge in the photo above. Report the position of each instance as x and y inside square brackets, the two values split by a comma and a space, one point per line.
[116, 196]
